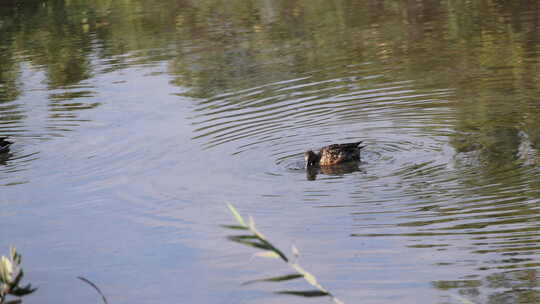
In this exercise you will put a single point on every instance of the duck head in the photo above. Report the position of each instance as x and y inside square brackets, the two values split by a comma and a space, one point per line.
[311, 158]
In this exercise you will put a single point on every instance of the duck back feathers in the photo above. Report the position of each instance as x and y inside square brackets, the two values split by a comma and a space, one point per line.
[334, 154]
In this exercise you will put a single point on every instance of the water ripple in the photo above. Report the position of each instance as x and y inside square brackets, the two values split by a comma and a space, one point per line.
[412, 182]
[285, 116]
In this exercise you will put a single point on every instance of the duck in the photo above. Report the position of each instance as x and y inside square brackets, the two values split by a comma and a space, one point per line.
[333, 154]
[4, 144]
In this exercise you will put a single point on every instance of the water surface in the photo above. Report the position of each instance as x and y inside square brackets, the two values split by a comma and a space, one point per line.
[136, 121]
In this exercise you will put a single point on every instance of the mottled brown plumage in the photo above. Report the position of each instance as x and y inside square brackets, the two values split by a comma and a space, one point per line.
[334, 154]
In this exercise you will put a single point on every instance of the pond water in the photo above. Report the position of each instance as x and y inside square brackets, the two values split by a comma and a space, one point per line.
[135, 122]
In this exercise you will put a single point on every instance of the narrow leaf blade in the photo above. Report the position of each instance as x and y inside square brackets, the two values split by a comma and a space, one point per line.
[267, 254]
[234, 227]
[304, 293]
[275, 279]
[237, 215]
[247, 242]
[95, 287]
[22, 291]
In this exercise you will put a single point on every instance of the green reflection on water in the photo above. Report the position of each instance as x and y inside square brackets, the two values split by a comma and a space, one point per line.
[481, 56]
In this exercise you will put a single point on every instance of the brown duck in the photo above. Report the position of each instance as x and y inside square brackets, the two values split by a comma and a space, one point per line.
[333, 154]
[4, 144]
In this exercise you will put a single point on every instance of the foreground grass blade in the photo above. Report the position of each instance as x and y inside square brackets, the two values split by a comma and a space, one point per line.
[257, 240]
[237, 215]
[276, 279]
[95, 287]
[236, 227]
[304, 293]
[11, 274]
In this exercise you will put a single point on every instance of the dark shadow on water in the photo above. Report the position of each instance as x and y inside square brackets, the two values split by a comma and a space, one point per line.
[341, 169]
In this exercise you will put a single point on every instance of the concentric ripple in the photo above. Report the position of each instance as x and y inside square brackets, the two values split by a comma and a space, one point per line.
[416, 181]
[290, 116]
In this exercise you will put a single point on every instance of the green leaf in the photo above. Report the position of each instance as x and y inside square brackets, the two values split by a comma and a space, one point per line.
[253, 229]
[22, 291]
[15, 257]
[311, 279]
[268, 254]
[6, 270]
[3, 275]
[18, 278]
[235, 227]
[305, 293]
[273, 248]
[276, 279]
[237, 215]
[244, 237]
[255, 244]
